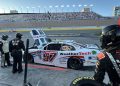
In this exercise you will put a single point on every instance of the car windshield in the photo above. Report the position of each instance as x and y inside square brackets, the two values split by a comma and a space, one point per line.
[66, 38]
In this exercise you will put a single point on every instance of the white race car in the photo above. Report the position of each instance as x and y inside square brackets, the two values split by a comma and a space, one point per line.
[64, 53]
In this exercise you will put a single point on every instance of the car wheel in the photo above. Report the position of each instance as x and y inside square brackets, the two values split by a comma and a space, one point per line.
[85, 81]
[74, 63]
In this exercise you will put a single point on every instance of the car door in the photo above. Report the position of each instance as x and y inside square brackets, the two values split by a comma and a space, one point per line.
[49, 53]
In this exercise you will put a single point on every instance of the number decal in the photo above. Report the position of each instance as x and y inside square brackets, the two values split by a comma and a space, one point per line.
[49, 56]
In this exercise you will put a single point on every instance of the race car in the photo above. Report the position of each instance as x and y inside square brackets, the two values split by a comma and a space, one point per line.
[64, 53]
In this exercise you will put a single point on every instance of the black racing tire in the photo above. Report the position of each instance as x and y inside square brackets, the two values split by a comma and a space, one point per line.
[30, 58]
[75, 63]
[85, 81]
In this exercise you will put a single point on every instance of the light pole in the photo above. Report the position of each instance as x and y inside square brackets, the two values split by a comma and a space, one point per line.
[45, 9]
[39, 8]
[9, 9]
[62, 6]
[50, 8]
[27, 9]
[68, 7]
[85, 5]
[56, 8]
[21, 9]
[84, 9]
[3, 10]
[79, 6]
[33, 9]
[91, 7]
[73, 7]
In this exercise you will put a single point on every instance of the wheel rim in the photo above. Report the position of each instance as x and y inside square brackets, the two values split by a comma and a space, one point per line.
[74, 63]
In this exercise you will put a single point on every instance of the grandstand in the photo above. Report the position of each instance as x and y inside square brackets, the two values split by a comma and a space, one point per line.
[65, 19]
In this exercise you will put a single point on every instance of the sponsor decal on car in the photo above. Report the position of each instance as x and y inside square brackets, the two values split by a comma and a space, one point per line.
[94, 52]
[85, 53]
[80, 53]
[69, 53]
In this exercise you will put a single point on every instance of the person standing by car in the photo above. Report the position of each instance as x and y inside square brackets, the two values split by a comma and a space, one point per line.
[16, 47]
[5, 49]
[109, 59]
[2, 55]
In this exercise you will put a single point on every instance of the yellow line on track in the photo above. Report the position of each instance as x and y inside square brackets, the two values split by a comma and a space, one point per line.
[52, 29]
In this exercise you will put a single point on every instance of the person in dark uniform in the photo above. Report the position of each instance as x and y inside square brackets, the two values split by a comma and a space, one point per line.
[5, 49]
[16, 46]
[109, 59]
[2, 55]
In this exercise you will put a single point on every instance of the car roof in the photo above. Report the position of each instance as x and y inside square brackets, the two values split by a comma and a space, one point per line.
[69, 42]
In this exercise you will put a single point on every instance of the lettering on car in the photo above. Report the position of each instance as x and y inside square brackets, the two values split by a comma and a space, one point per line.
[80, 53]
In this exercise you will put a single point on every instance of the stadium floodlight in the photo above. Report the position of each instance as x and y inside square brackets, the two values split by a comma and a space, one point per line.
[50, 7]
[45, 9]
[79, 5]
[3, 10]
[62, 6]
[27, 9]
[85, 5]
[39, 8]
[91, 5]
[21, 9]
[0, 10]
[56, 7]
[33, 9]
[67, 5]
[73, 5]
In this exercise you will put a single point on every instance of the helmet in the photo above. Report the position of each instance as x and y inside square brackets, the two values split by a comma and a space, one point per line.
[19, 35]
[110, 36]
[4, 37]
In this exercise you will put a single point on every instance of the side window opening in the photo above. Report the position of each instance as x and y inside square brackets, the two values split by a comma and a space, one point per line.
[48, 39]
[35, 32]
[37, 42]
[53, 47]
[42, 40]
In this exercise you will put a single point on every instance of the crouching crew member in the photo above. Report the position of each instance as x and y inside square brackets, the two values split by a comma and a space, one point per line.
[109, 60]
[16, 46]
